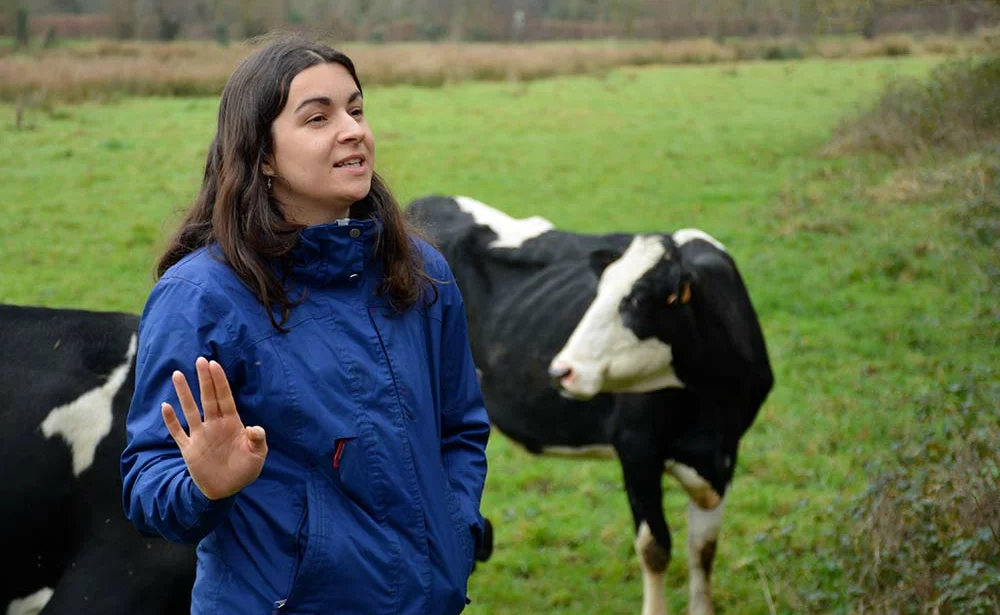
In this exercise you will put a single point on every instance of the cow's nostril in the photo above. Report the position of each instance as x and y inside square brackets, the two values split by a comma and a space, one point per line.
[558, 371]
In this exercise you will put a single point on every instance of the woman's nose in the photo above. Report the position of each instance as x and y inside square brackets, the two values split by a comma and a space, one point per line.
[350, 130]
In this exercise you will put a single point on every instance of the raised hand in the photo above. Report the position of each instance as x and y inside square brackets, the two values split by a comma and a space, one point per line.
[221, 454]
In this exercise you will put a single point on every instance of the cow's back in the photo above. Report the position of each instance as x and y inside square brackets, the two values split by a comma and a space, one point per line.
[522, 303]
[55, 359]
[64, 393]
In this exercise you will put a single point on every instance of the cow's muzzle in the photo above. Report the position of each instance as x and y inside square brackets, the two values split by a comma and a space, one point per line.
[561, 374]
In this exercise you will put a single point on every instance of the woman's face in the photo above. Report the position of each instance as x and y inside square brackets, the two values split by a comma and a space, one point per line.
[324, 151]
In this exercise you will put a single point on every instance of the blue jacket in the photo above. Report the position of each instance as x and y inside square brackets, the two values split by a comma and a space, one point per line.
[368, 502]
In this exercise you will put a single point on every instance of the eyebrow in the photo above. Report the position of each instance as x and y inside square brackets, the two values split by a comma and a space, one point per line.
[326, 101]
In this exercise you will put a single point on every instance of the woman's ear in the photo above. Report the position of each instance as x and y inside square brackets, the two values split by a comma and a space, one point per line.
[267, 169]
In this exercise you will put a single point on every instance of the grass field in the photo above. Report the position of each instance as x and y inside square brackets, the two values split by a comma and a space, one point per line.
[868, 305]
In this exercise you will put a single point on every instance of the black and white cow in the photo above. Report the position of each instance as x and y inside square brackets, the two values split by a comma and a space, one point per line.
[68, 549]
[641, 346]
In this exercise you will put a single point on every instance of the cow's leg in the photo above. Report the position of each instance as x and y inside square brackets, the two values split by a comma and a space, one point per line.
[30, 605]
[642, 472]
[703, 536]
[704, 521]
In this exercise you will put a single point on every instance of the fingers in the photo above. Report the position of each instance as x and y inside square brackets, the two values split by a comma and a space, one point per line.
[173, 425]
[209, 397]
[216, 395]
[188, 404]
[257, 439]
[224, 395]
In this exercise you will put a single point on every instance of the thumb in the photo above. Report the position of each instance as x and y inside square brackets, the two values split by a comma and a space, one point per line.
[256, 436]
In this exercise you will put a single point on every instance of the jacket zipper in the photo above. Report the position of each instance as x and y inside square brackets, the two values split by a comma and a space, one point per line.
[338, 452]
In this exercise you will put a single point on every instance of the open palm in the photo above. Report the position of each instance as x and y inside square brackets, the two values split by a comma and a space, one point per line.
[221, 454]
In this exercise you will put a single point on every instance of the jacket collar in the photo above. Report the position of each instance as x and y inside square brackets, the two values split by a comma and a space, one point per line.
[334, 253]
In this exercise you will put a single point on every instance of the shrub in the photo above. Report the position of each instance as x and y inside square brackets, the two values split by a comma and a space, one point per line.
[940, 45]
[978, 216]
[957, 108]
[784, 52]
[897, 45]
[925, 537]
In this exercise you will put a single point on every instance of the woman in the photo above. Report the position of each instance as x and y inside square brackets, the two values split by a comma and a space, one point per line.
[338, 460]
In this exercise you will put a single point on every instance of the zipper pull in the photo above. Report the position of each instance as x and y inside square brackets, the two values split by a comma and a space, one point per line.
[337, 453]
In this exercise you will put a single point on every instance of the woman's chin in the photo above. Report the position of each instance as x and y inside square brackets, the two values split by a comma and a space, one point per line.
[355, 195]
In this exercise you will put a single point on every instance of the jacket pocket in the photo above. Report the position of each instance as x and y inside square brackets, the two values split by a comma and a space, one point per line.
[347, 464]
[302, 545]
[466, 542]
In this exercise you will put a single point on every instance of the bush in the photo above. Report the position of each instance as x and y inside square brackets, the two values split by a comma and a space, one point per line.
[957, 108]
[897, 45]
[433, 31]
[784, 52]
[940, 45]
[978, 216]
[925, 537]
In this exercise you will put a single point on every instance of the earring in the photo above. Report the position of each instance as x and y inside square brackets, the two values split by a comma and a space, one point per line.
[268, 182]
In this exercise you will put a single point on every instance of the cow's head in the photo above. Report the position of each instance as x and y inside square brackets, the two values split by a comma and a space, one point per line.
[624, 341]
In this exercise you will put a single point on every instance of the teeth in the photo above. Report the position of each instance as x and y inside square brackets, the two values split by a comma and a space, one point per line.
[351, 163]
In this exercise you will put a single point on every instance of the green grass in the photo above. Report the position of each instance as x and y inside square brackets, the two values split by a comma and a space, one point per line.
[867, 306]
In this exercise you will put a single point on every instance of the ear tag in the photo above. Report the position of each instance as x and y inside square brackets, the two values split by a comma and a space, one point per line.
[686, 293]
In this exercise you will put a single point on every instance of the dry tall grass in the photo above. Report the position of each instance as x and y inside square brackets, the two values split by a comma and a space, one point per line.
[106, 69]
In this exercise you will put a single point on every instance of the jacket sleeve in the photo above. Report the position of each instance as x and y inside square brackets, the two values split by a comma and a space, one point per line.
[465, 425]
[179, 323]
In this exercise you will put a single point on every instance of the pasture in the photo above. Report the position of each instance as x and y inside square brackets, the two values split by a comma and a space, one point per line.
[868, 305]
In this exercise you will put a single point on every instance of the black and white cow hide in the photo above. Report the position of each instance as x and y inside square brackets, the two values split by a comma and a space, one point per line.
[65, 389]
[640, 347]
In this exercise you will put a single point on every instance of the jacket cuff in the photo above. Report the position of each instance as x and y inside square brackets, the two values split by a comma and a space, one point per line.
[205, 514]
[477, 527]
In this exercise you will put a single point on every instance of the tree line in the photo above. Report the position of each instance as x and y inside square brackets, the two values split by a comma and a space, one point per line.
[385, 20]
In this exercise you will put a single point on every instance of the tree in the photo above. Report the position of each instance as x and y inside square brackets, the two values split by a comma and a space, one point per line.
[22, 33]
[123, 16]
[167, 18]
[67, 6]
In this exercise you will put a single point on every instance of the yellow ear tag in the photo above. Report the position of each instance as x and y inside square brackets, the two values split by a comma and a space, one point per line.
[686, 293]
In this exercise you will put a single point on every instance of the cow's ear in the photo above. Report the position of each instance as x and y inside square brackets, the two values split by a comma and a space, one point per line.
[600, 259]
[682, 294]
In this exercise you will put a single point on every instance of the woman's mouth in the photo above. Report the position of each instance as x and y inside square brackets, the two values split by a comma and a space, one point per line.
[350, 163]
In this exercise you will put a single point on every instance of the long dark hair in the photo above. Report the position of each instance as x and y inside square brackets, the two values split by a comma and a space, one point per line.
[235, 208]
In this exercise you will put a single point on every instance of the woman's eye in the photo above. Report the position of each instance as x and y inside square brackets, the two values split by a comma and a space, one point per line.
[316, 119]
[357, 112]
